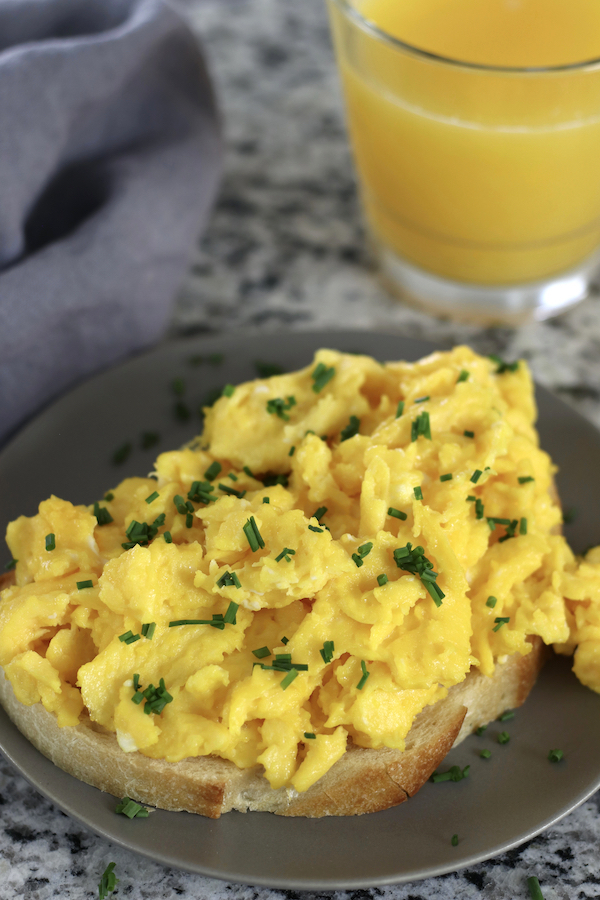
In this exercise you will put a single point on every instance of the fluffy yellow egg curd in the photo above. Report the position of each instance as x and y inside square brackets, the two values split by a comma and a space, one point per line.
[339, 548]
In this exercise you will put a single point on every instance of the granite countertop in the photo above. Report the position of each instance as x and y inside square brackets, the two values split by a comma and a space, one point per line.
[285, 249]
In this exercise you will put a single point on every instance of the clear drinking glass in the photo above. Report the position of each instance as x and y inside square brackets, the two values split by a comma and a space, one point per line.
[480, 184]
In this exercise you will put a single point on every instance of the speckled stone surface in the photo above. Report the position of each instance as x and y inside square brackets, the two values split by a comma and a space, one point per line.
[285, 249]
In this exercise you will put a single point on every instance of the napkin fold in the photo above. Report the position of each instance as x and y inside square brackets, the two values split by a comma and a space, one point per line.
[109, 163]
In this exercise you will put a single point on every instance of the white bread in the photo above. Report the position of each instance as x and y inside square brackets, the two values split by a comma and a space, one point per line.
[361, 781]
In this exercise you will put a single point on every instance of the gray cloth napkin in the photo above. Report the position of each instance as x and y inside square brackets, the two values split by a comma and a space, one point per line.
[109, 162]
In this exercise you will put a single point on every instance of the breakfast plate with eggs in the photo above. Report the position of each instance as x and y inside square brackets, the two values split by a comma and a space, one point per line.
[272, 587]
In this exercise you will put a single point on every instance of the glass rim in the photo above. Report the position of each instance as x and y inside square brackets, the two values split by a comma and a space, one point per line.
[352, 13]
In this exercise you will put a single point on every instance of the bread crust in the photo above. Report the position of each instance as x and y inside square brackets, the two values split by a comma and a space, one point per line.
[361, 781]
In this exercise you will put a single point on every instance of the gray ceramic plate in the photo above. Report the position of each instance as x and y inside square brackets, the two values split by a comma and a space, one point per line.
[504, 801]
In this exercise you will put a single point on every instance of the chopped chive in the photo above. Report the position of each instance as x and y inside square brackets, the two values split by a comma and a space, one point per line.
[149, 439]
[228, 390]
[365, 549]
[229, 579]
[232, 491]
[253, 535]
[279, 407]
[491, 601]
[266, 499]
[261, 652]
[478, 508]
[136, 681]
[232, 476]
[506, 716]
[181, 411]
[167, 537]
[108, 882]
[152, 497]
[314, 528]
[318, 515]
[421, 426]
[267, 370]
[148, 629]
[229, 617]
[189, 520]
[11, 565]
[215, 359]
[129, 637]
[396, 513]
[82, 585]
[462, 376]
[418, 493]
[569, 515]
[351, 429]
[327, 651]
[491, 524]
[502, 366]
[510, 531]
[103, 517]
[249, 472]
[216, 622]
[292, 451]
[293, 673]
[447, 477]
[476, 476]
[471, 498]
[469, 434]
[524, 479]
[310, 736]
[321, 376]
[357, 560]
[109, 496]
[213, 471]
[400, 409]
[479, 731]
[500, 621]
[286, 554]
[421, 399]
[555, 756]
[50, 542]
[454, 840]
[285, 640]
[365, 676]
[503, 737]
[178, 386]
[121, 453]
[535, 891]
[523, 526]
[131, 809]
[454, 773]
[485, 754]
[382, 579]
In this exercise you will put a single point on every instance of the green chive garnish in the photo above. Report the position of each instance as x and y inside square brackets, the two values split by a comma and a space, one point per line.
[309, 735]
[229, 617]
[181, 411]
[480, 730]
[418, 493]
[321, 376]
[232, 476]
[400, 409]
[555, 756]
[213, 471]
[382, 579]
[365, 549]
[535, 891]
[503, 737]
[109, 496]
[523, 526]
[469, 434]
[253, 535]
[121, 454]
[365, 675]
[267, 370]
[421, 427]
[397, 513]
[131, 809]
[318, 515]
[476, 476]
[217, 621]
[447, 477]
[358, 561]
[50, 542]
[292, 451]
[229, 579]
[103, 517]
[462, 376]
[148, 629]
[279, 407]
[286, 554]
[421, 399]
[485, 754]
[167, 537]
[11, 565]
[502, 366]
[314, 528]
[108, 882]
[506, 716]
[266, 499]
[129, 637]
[327, 651]
[149, 439]
[491, 601]
[524, 479]
[261, 652]
[82, 585]
[454, 840]
[351, 429]
[152, 497]
[293, 673]
[228, 390]
[232, 491]
[285, 640]
[500, 621]
[178, 386]
[455, 773]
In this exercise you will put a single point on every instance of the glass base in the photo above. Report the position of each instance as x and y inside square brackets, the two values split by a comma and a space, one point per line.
[510, 305]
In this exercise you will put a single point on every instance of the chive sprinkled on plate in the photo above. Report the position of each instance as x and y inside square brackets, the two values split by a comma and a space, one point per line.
[506, 716]
[108, 882]
[109, 496]
[556, 756]
[156, 698]
[510, 530]
[503, 737]
[122, 453]
[213, 471]
[501, 366]
[51, 541]
[365, 676]
[491, 601]
[267, 369]
[421, 427]
[382, 579]
[182, 412]
[149, 439]
[413, 559]
[455, 773]
[351, 429]
[286, 554]
[478, 508]
[228, 390]
[152, 497]
[131, 809]
[261, 652]
[397, 513]
[103, 517]
[82, 585]
[485, 754]
[321, 375]
[535, 891]
[327, 651]
[479, 731]
[148, 629]
[446, 477]
[400, 409]
[524, 479]
[178, 386]
[500, 621]
[12, 564]
[454, 840]
[463, 376]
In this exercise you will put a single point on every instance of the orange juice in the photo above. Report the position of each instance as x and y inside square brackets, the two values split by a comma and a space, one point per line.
[471, 167]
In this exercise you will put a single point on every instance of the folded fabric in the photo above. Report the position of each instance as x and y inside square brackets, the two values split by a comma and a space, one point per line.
[109, 162]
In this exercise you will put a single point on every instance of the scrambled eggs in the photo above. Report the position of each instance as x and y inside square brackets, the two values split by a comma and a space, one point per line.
[334, 553]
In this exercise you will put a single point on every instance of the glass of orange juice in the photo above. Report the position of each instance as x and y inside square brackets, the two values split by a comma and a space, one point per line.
[475, 126]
